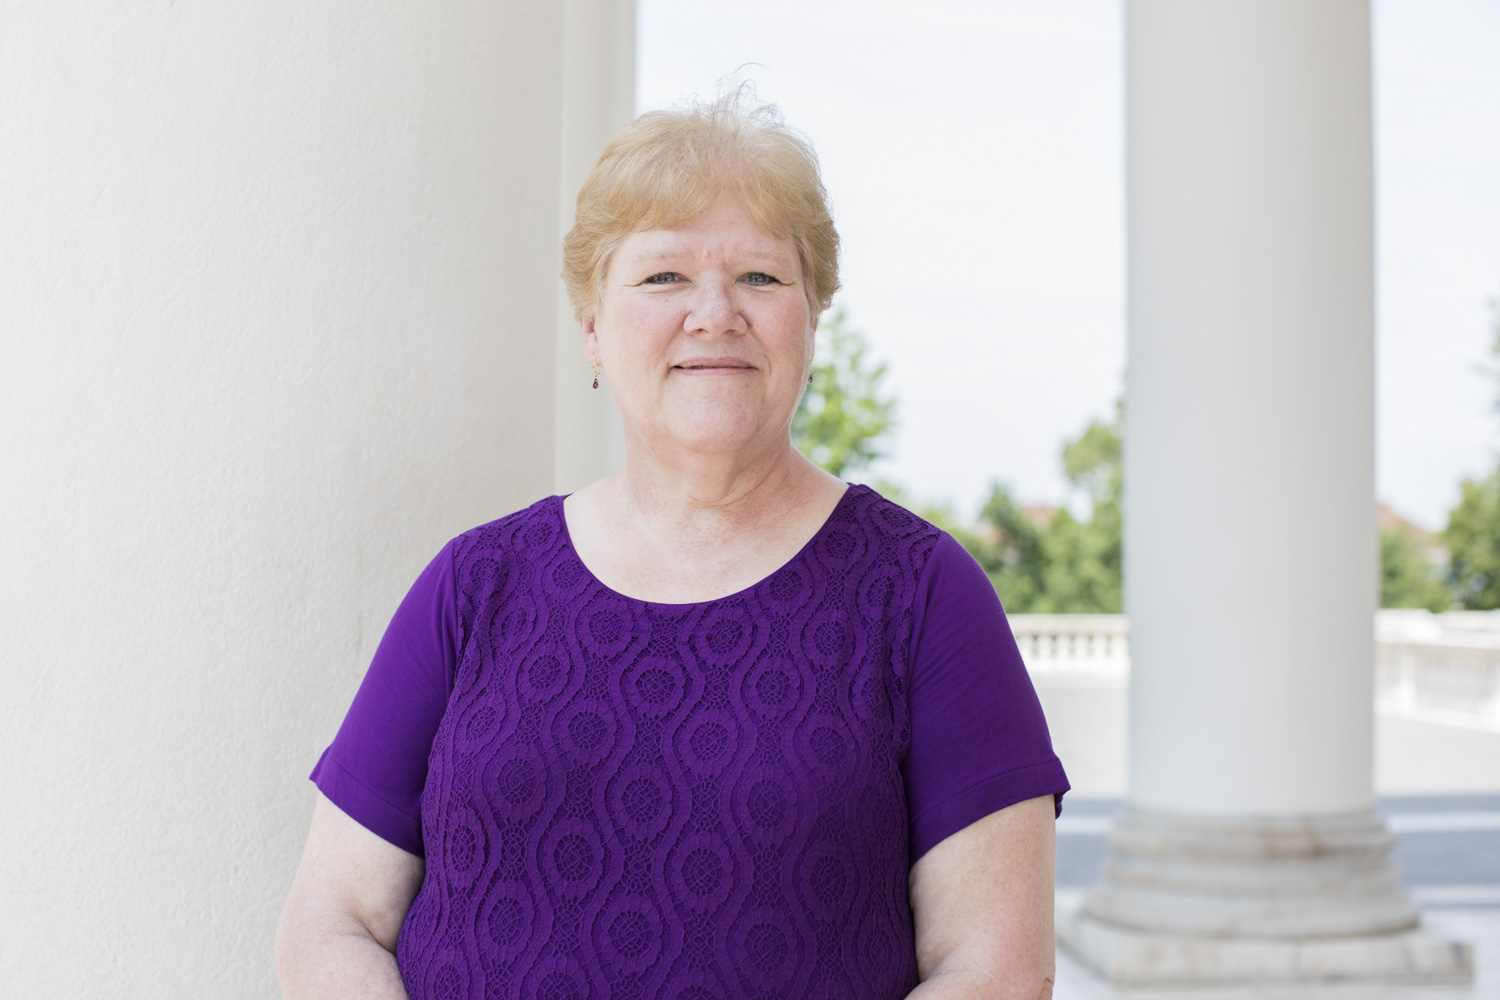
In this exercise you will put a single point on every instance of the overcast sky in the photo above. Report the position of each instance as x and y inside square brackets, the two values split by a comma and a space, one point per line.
[973, 154]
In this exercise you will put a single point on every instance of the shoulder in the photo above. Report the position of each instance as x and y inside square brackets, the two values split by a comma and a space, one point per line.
[924, 570]
[895, 535]
[544, 514]
[483, 556]
[867, 511]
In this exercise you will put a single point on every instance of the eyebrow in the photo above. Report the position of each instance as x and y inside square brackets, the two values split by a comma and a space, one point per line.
[775, 255]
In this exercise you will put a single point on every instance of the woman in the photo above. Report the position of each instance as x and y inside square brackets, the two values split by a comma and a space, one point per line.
[716, 725]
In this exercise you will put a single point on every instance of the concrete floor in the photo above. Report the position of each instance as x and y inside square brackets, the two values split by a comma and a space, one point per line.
[1439, 787]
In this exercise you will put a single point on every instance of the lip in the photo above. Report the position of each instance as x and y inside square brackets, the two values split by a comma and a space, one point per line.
[713, 366]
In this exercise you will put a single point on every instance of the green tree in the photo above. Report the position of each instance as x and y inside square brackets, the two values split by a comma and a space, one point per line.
[1010, 548]
[1473, 532]
[845, 414]
[1406, 579]
[1473, 541]
[1090, 552]
[1065, 565]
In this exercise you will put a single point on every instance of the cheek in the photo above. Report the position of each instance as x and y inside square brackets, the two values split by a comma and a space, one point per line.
[804, 340]
[794, 328]
[633, 337]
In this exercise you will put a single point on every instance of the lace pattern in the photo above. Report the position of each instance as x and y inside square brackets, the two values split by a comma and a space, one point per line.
[636, 800]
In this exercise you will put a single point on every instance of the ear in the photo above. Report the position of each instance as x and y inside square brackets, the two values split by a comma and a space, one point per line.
[590, 341]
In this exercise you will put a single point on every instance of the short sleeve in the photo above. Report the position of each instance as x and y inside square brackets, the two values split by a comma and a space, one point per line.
[376, 767]
[979, 741]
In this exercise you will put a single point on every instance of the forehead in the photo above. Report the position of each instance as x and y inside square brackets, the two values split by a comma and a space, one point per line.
[722, 233]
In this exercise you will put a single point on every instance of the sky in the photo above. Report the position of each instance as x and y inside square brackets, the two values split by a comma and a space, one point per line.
[973, 155]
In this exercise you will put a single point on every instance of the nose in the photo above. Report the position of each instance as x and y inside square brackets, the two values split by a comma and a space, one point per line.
[714, 310]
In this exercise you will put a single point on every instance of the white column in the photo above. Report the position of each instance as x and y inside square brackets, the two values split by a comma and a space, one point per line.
[1250, 849]
[277, 294]
[1250, 421]
[598, 99]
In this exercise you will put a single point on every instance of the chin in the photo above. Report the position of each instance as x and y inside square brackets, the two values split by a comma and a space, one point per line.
[701, 439]
[716, 432]
[720, 425]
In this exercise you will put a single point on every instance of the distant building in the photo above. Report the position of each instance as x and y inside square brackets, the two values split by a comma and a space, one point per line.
[1429, 543]
[1039, 515]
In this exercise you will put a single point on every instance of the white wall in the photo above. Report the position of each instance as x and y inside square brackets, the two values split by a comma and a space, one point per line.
[598, 99]
[278, 301]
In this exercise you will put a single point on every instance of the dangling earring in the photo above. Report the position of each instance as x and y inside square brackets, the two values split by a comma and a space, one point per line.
[809, 379]
[596, 375]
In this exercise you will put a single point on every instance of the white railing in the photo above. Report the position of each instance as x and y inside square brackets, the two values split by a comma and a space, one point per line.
[1443, 668]
[1082, 646]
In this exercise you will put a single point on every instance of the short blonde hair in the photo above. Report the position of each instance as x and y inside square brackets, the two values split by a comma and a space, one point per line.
[669, 167]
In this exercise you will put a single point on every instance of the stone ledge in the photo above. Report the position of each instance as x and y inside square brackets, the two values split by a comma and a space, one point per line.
[1138, 958]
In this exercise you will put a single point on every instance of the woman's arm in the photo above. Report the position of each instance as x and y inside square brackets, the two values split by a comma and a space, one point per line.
[982, 903]
[337, 933]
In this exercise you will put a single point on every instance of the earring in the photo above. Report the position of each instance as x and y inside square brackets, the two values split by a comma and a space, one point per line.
[596, 375]
[809, 379]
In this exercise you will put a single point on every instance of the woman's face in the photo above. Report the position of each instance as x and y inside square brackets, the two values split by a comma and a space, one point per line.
[704, 334]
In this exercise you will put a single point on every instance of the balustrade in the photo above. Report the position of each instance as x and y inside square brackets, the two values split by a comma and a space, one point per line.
[1442, 668]
[1075, 645]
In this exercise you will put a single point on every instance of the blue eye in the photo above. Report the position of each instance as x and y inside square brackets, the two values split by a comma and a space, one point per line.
[663, 278]
[760, 278]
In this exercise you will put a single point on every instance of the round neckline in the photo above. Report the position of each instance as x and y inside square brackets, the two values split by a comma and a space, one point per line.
[823, 529]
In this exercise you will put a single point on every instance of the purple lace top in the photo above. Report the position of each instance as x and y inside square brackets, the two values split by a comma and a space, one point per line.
[622, 799]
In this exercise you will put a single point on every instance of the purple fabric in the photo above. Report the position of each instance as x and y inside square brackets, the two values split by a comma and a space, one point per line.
[724, 799]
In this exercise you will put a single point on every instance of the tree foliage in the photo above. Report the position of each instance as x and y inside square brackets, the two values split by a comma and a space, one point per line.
[1473, 541]
[845, 414]
[1473, 532]
[1406, 577]
[1012, 551]
[1060, 565]
[1063, 564]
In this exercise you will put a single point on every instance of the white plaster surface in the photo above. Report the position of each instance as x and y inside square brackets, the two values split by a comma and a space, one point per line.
[277, 288]
[598, 97]
[1413, 756]
[1089, 723]
[1090, 728]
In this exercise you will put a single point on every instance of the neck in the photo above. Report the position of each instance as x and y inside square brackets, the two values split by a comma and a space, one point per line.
[678, 490]
[689, 527]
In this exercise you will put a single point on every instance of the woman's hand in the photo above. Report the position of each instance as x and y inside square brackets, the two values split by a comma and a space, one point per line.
[982, 903]
[337, 933]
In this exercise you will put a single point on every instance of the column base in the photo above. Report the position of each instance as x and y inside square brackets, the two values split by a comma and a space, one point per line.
[1254, 900]
[1142, 958]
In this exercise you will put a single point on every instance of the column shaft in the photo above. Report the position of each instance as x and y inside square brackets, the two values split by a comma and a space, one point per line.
[1250, 849]
[1250, 528]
